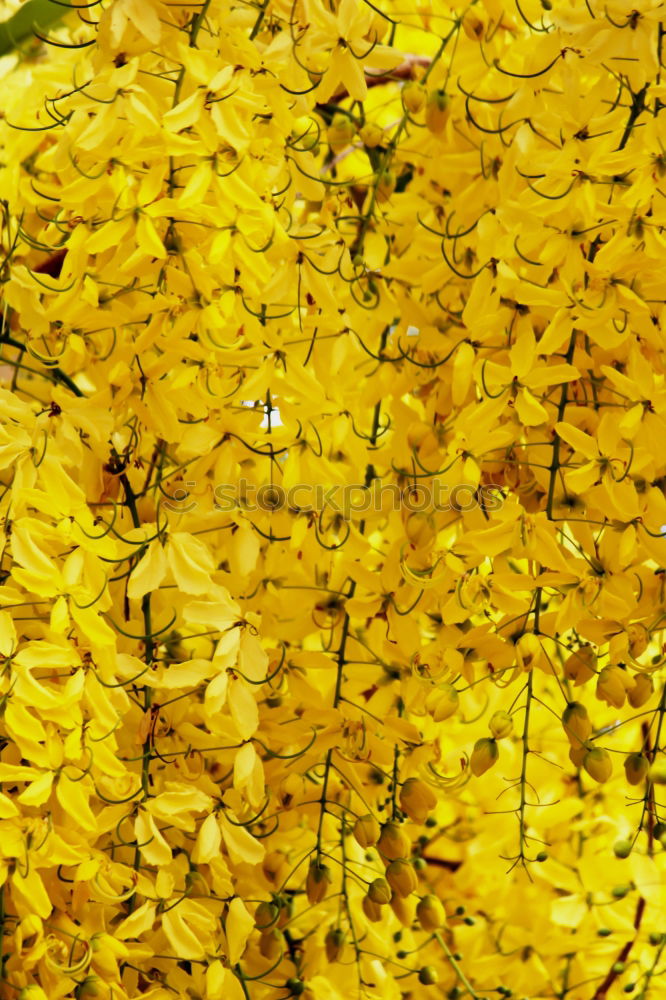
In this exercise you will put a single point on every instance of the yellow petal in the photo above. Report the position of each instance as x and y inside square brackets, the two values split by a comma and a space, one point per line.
[238, 927]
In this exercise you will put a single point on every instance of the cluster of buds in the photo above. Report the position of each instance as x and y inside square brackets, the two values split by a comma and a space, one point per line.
[615, 686]
[270, 917]
[486, 751]
[578, 728]
[400, 880]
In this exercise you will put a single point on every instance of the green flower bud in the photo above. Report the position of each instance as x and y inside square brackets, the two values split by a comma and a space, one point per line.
[428, 975]
[622, 848]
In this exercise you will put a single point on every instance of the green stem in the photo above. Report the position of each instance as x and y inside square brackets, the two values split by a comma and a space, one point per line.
[130, 500]
[341, 660]
[454, 965]
[39, 14]
[523, 769]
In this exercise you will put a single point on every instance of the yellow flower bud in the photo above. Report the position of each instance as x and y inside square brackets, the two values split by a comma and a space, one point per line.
[414, 96]
[580, 665]
[372, 910]
[641, 690]
[334, 943]
[473, 24]
[271, 943]
[379, 892]
[366, 830]
[501, 725]
[403, 909]
[437, 111]
[577, 754]
[394, 842]
[317, 882]
[386, 182]
[611, 686]
[430, 913]
[442, 702]
[484, 755]
[371, 134]
[598, 764]
[417, 799]
[636, 767]
[401, 876]
[576, 723]
[32, 993]
[340, 132]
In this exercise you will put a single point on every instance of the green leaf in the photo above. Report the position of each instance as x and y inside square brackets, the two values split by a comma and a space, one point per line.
[35, 14]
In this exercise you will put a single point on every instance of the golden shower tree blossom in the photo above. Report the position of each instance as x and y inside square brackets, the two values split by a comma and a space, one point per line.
[333, 499]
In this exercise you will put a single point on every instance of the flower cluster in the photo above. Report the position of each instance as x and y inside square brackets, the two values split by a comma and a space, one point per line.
[252, 752]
